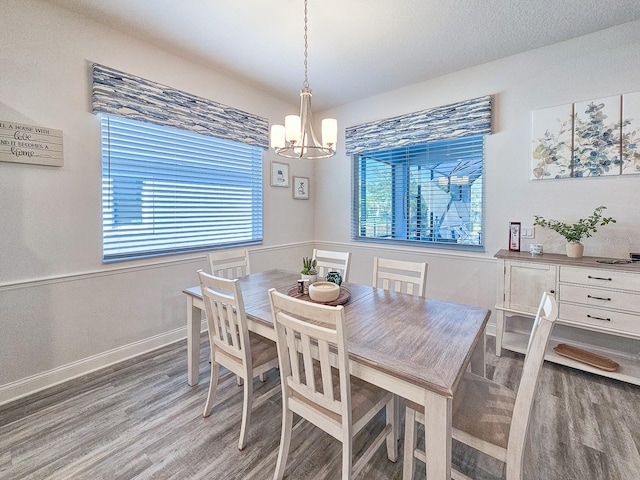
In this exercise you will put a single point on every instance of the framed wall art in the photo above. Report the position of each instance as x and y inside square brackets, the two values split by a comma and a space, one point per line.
[514, 236]
[301, 188]
[631, 133]
[279, 174]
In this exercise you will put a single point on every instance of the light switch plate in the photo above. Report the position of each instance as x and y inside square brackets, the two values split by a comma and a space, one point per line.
[528, 232]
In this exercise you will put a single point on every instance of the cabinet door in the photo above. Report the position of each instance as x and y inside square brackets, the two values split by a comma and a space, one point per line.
[524, 284]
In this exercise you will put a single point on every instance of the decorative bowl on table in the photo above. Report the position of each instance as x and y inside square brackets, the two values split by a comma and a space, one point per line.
[324, 291]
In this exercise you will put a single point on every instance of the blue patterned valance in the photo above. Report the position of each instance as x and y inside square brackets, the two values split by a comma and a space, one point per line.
[462, 119]
[128, 96]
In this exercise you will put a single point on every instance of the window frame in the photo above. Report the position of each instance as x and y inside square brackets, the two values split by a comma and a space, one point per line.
[242, 164]
[401, 225]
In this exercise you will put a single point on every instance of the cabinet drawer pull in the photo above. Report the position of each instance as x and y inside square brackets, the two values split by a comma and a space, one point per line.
[599, 318]
[599, 298]
[599, 278]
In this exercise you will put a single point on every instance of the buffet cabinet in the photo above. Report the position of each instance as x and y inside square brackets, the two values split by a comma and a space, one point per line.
[598, 307]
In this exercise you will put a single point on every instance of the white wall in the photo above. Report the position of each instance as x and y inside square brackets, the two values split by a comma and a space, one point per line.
[599, 65]
[61, 309]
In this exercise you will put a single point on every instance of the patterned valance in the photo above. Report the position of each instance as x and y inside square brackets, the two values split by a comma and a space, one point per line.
[128, 96]
[462, 119]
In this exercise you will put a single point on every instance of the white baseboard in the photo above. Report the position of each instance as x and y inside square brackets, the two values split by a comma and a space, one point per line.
[27, 386]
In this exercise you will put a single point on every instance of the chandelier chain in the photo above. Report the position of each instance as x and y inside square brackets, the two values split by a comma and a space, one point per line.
[306, 46]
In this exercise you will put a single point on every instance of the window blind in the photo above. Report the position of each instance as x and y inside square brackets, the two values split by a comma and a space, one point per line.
[423, 193]
[166, 190]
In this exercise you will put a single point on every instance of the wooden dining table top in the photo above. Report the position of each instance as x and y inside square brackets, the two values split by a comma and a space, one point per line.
[424, 341]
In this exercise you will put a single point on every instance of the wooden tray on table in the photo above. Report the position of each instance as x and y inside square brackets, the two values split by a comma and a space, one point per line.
[344, 297]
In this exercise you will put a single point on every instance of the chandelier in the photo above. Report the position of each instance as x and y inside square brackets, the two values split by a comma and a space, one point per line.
[296, 139]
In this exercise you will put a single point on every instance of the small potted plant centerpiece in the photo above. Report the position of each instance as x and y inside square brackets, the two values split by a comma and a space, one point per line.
[309, 271]
[574, 232]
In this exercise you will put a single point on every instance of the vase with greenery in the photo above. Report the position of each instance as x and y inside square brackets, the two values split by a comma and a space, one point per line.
[575, 232]
[309, 271]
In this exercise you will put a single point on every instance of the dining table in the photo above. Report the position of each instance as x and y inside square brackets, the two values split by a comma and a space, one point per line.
[415, 347]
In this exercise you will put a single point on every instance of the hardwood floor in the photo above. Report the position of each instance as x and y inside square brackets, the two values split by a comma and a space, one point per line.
[141, 420]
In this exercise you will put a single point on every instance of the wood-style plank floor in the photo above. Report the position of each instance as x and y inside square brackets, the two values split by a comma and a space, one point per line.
[141, 420]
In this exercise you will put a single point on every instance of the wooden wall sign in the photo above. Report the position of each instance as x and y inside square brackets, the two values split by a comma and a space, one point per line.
[21, 143]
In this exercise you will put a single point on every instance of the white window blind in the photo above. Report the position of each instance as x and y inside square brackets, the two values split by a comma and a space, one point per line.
[421, 194]
[166, 190]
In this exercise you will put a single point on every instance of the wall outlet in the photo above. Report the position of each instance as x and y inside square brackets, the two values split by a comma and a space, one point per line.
[528, 232]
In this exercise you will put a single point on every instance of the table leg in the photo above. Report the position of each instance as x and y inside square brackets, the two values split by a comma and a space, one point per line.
[437, 435]
[477, 363]
[499, 331]
[193, 341]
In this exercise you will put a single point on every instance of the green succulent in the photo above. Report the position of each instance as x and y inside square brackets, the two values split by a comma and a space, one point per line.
[309, 266]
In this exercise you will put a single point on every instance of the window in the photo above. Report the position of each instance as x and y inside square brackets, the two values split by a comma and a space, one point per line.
[166, 190]
[428, 194]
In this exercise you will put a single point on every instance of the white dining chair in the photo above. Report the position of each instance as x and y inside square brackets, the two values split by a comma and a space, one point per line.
[330, 261]
[487, 416]
[229, 263]
[243, 353]
[311, 338]
[400, 276]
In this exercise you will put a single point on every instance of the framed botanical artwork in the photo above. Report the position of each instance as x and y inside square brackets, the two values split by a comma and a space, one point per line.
[301, 188]
[631, 133]
[551, 142]
[279, 174]
[596, 138]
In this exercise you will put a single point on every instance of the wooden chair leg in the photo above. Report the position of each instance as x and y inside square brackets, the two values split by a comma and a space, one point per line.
[213, 385]
[392, 416]
[246, 413]
[347, 458]
[285, 441]
[410, 439]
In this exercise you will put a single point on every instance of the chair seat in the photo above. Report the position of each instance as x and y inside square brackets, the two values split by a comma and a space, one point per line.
[364, 397]
[482, 409]
[263, 350]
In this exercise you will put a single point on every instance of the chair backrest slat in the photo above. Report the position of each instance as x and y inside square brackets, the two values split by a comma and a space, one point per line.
[400, 276]
[226, 320]
[313, 335]
[534, 358]
[329, 261]
[229, 264]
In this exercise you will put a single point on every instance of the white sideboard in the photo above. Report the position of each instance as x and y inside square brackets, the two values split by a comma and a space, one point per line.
[594, 300]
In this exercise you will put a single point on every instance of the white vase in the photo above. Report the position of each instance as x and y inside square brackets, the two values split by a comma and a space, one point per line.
[575, 249]
[312, 278]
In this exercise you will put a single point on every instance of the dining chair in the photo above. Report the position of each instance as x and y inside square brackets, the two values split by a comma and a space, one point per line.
[400, 276]
[329, 261]
[229, 263]
[243, 353]
[487, 416]
[316, 384]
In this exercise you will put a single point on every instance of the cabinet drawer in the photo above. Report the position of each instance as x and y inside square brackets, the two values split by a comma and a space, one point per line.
[600, 297]
[601, 278]
[614, 322]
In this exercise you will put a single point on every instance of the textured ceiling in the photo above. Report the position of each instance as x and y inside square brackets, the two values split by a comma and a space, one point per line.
[357, 48]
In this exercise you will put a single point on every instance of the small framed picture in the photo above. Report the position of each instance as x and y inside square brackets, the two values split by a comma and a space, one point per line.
[301, 188]
[514, 236]
[279, 174]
